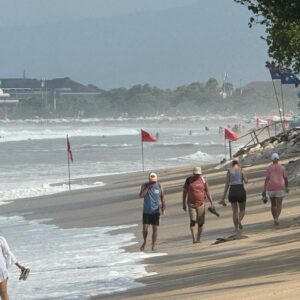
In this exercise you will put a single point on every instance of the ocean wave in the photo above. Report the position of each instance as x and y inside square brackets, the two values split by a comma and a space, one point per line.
[206, 117]
[93, 262]
[95, 146]
[40, 133]
[42, 190]
[187, 144]
[197, 156]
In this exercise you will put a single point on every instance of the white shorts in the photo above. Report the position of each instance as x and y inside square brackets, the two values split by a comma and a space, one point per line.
[276, 194]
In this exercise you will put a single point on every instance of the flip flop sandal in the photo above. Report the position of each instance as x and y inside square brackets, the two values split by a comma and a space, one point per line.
[223, 203]
[24, 274]
[213, 211]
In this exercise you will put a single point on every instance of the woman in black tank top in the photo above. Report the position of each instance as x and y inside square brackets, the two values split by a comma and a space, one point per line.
[235, 179]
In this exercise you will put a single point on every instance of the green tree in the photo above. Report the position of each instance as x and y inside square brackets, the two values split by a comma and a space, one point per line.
[212, 84]
[282, 21]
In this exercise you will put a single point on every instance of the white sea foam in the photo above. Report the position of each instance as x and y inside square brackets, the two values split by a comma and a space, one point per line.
[196, 118]
[197, 156]
[95, 146]
[39, 132]
[71, 263]
[40, 190]
[187, 144]
[173, 144]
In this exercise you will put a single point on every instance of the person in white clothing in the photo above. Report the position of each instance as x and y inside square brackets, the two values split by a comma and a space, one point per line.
[7, 259]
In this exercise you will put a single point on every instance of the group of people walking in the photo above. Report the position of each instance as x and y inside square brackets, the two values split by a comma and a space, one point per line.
[196, 191]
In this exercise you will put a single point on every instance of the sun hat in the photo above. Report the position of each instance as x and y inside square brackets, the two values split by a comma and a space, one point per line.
[197, 171]
[275, 156]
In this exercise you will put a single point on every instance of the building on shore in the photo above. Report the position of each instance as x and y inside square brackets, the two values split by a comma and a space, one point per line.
[8, 104]
[48, 90]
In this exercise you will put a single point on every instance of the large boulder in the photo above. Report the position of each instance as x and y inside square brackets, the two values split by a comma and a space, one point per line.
[293, 169]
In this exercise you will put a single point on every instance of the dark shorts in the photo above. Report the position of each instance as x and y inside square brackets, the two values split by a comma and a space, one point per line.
[151, 219]
[237, 193]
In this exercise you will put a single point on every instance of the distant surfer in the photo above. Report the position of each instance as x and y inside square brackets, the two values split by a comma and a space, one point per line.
[154, 204]
[190, 132]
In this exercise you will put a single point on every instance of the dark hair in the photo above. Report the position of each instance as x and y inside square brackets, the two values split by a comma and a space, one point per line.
[235, 162]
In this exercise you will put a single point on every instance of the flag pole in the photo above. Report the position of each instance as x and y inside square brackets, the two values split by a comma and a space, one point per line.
[282, 101]
[280, 115]
[146, 137]
[225, 146]
[69, 166]
[143, 156]
[230, 153]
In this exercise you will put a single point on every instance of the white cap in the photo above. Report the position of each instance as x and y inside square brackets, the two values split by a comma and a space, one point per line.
[153, 176]
[197, 171]
[275, 156]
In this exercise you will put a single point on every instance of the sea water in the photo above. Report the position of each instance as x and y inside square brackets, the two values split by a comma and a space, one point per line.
[70, 263]
[78, 263]
[33, 154]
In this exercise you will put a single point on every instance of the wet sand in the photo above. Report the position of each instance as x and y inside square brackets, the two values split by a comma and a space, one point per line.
[265, 265]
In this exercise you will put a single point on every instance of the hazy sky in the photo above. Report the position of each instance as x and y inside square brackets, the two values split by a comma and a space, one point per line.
[114, 43]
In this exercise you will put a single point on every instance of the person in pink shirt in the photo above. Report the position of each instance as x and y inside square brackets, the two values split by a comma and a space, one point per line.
[276, 184]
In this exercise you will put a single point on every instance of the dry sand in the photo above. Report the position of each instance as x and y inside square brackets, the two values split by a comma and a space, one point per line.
[266, 265]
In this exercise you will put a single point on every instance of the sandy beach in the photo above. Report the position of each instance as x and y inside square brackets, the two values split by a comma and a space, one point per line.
[265, 265]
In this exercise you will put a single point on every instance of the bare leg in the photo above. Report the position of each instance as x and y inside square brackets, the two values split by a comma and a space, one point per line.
[235, 216]
[145, 234]
[193, 220]
[194, 232]
[200, 229]
[279, 207]
[242, 207]
[274, 210]
[3, 290]
[154, 236]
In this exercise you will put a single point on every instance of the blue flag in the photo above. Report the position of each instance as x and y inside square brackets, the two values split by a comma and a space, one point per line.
[275, 74]
[287, 77]
[274, 71]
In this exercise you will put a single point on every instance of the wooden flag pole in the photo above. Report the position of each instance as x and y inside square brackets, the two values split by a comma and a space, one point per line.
[225, 147]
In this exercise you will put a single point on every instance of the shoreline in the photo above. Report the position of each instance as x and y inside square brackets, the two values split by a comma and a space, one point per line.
[179, 273]
[96, 181]
[188, 271]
